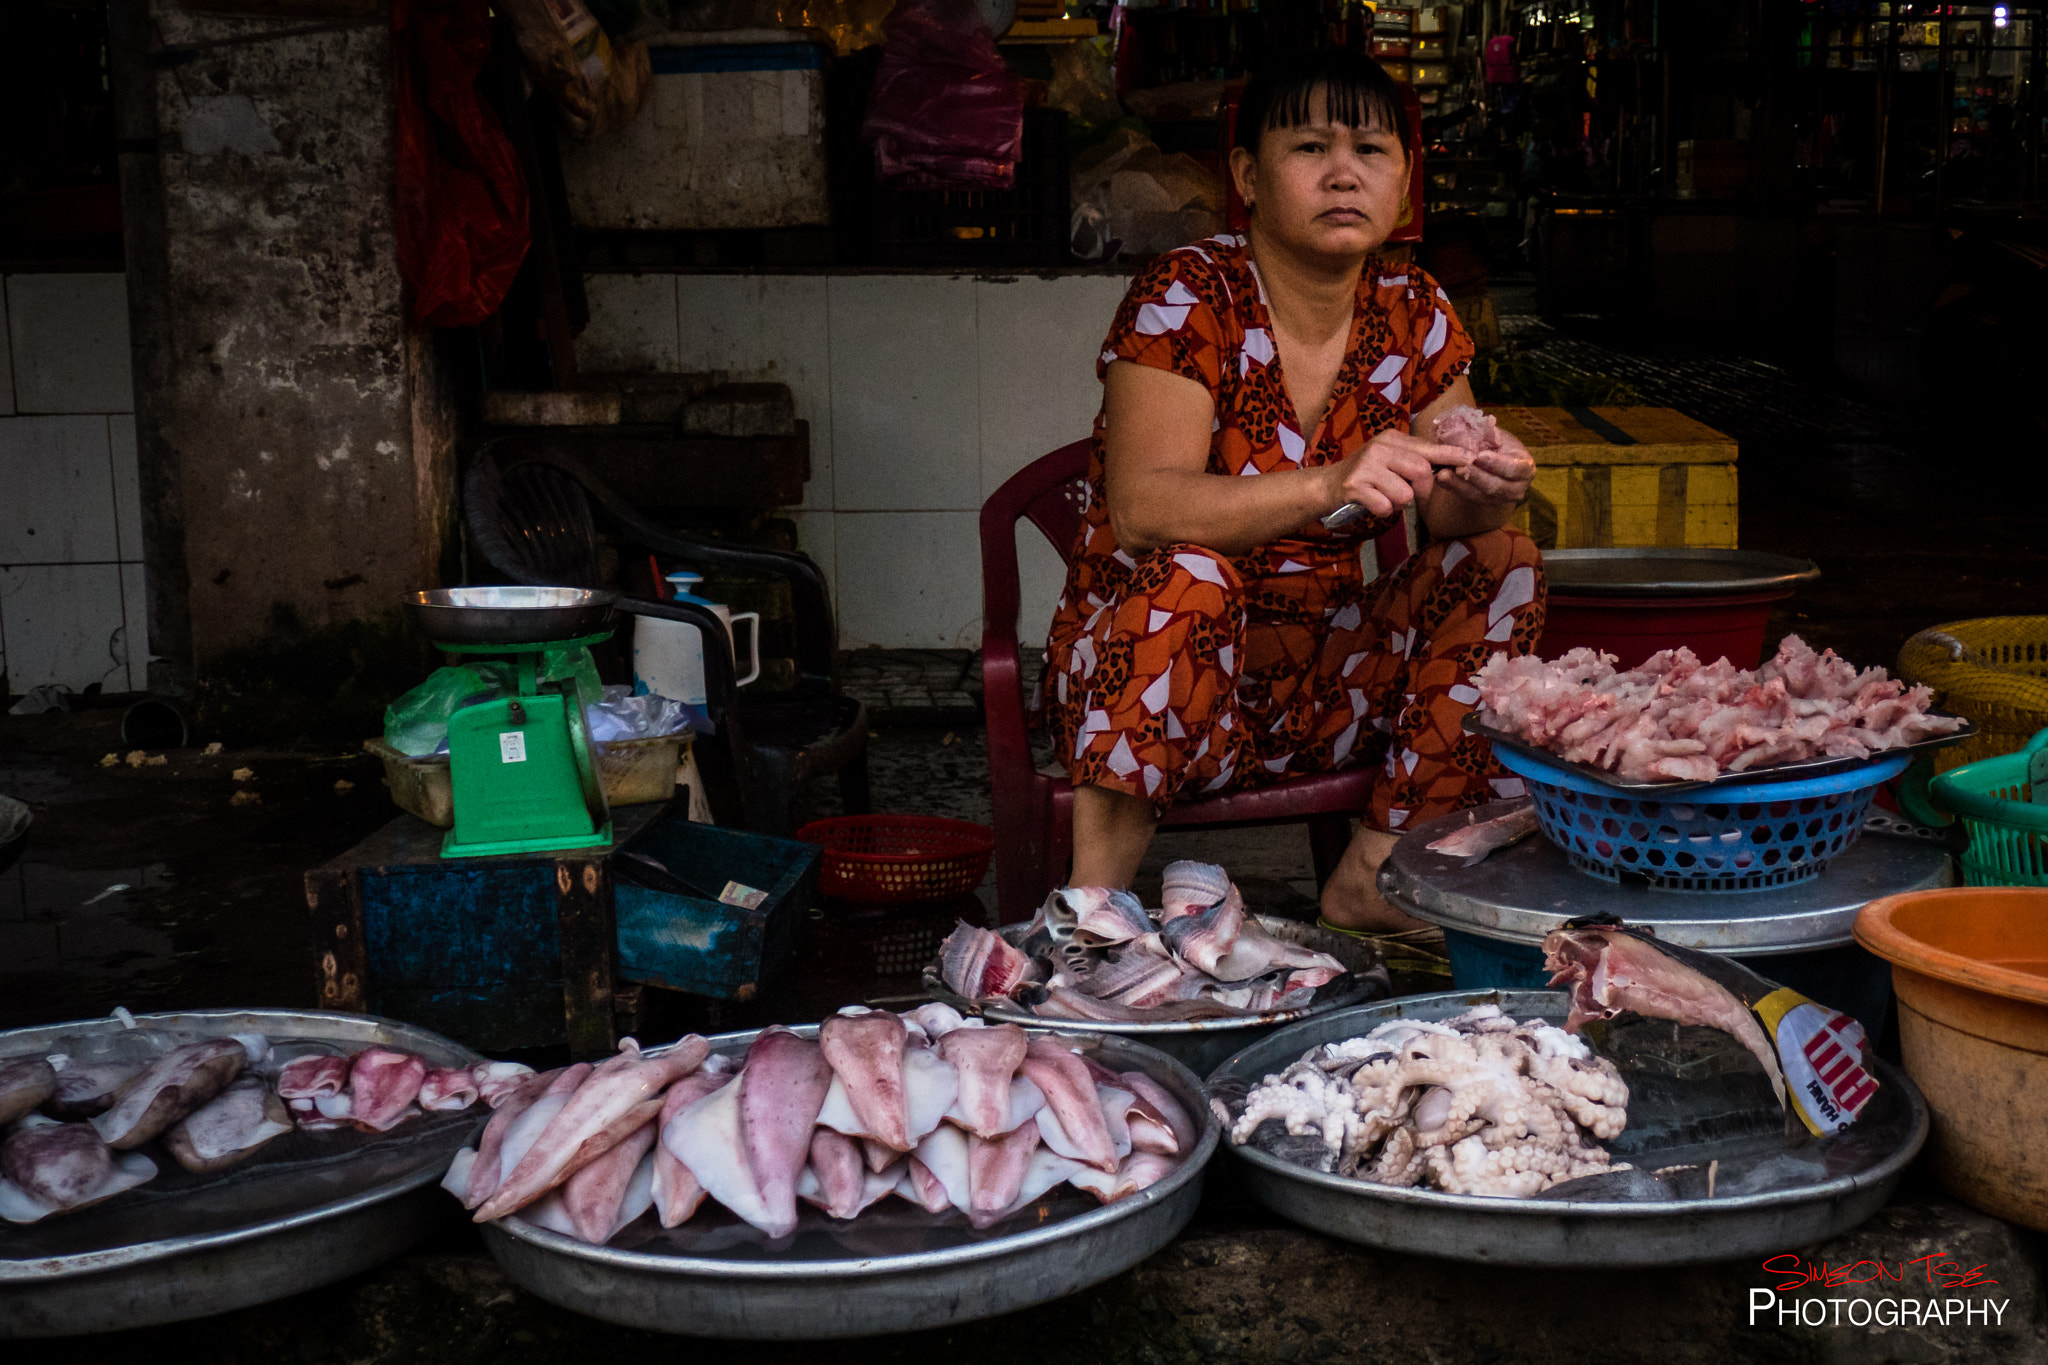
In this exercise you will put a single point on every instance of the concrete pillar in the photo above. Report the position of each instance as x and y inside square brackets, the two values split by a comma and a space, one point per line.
[296, 437]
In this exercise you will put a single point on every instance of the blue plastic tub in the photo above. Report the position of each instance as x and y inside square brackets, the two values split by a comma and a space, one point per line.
[1738, 834]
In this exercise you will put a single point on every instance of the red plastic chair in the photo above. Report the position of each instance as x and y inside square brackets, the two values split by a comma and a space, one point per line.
[1034, 811]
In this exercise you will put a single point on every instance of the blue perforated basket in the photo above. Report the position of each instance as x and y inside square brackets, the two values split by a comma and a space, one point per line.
[1743, 833]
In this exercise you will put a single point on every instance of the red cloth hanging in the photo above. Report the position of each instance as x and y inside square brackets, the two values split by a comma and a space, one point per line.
[462, 206]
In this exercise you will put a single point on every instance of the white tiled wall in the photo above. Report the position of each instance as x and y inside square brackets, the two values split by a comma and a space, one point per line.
[71, 597]
[924, 393]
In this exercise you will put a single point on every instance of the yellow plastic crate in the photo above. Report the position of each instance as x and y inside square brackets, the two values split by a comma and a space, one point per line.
[1669, 480]
[1993, 669]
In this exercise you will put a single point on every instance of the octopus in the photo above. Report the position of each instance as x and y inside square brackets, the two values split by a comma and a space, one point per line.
[1478, 1104]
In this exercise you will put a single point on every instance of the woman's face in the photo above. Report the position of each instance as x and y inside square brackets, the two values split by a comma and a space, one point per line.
[1324, 189]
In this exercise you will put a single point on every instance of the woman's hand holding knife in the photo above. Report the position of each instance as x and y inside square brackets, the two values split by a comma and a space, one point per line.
[1396, 468]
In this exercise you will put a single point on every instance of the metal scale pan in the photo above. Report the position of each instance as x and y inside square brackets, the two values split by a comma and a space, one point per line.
[309, 1209]
[893, 1269]
[1801, 1194]
[511, 614]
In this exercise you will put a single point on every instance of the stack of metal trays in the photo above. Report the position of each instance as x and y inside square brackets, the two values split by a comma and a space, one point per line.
[1718, 1121]
[309, 1209]
[892, 1269]
[1202, 1045]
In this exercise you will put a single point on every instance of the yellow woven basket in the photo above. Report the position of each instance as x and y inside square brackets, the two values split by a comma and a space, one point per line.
[1993, 670]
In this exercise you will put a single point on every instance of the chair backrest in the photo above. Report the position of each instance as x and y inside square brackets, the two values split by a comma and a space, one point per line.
[1049, 493]
[533, 509]
[532, 523]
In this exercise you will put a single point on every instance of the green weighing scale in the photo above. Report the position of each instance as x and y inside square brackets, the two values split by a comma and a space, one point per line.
[522, 768]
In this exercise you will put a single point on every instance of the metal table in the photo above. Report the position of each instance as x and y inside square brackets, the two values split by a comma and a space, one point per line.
[1522, 893]
[1798, 935]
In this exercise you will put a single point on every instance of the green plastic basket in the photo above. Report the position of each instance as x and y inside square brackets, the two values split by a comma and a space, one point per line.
[1995, 801]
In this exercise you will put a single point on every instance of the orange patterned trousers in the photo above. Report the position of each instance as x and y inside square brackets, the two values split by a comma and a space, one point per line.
[1192, 676]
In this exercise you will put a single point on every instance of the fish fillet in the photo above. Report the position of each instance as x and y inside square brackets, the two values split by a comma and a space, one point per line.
[1611, 968]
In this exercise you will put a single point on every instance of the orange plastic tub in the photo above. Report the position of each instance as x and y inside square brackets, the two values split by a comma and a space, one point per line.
[1970, 968]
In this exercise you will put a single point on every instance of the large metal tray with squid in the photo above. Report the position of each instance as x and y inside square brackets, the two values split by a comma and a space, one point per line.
[307, 1210]
[1699, 1108]
[894, 1268]
[1201, 1044]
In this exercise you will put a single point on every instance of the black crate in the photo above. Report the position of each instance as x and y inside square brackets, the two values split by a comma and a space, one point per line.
[1025, 226]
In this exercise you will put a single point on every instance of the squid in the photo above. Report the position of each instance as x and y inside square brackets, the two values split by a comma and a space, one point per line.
[620, 1095]
[677, 1191]
[495, 1081]
[475, 1175]
[995, 1172]
[25, 1082]
[448, 1089]
[51, 1167]
[229, 1128]
[1072, 1111]
[313, 1087]
[706, 1137]
[837, 1179]
[610, 1192]
[383, 1084]
[168, 1089]
[866, 1055]
[781, 1089]
[986, 1061]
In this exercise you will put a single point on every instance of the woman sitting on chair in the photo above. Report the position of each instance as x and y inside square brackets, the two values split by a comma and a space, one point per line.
[1212, 634]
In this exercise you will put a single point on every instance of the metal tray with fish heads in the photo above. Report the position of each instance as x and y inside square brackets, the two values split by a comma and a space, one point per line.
[1201, 1044]
[1696, 1101]
[892, 1269]
[309, 1209]
[1803, 770]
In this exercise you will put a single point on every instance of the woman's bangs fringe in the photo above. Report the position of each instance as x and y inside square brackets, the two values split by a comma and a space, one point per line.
[1350, 104]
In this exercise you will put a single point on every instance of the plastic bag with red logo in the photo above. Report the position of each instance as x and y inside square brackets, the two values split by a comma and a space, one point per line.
[945, 113]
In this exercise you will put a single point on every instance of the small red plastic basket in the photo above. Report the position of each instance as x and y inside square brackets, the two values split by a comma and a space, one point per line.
[899, 859]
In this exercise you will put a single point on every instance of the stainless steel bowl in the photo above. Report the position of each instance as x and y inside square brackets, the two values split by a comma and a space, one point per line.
[510, 614]
[284, 1222]
[813, 1290]
[1669, 571]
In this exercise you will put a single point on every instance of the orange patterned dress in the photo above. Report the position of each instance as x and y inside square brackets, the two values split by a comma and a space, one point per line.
[1186, 672]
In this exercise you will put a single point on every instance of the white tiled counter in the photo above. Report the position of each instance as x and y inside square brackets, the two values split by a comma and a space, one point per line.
[924, 392]
[71, 593]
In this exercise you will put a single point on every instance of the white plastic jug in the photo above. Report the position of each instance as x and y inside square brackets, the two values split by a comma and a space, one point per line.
[668, 656]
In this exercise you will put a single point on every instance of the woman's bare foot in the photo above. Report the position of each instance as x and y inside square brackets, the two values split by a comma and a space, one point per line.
[1351, 898]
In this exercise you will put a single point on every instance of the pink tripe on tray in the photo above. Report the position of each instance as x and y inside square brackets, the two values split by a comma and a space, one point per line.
[1676, 719]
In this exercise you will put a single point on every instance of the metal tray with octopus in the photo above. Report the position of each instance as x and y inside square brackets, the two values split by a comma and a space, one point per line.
[1699, 1112]
[309, 1209]
[892, 1269]
[1201, 1044]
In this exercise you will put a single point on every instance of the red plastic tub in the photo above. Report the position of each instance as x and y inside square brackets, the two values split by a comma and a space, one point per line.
[1633, 602]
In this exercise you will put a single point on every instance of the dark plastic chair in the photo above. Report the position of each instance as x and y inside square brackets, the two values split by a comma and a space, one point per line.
[534, 514]
[1034, 810]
